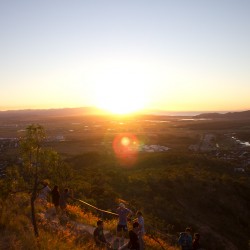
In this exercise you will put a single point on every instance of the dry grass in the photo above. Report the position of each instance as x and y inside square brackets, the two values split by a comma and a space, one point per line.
[16, 231]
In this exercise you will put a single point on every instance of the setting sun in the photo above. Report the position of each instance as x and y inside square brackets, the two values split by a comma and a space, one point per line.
[121, 91]
[123, 100]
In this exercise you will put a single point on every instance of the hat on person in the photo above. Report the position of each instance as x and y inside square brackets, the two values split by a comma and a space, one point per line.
[122, 205]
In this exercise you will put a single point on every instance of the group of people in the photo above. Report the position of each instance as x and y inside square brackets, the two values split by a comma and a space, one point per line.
[136, 242]
[59, 199]
[136, 234]
[187, 242]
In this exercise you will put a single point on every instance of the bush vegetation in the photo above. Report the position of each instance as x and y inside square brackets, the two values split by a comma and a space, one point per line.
[173, 190]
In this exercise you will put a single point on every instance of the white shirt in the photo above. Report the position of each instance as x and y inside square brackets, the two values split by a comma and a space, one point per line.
[44, 193]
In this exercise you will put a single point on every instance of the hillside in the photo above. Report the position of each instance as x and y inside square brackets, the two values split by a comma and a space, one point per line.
[174, 190]
[56, 231]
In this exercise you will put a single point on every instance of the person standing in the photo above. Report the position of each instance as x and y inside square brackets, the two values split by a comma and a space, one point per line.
[122, 226]
[133, 237]
[63, 201]
[185, 239]
[44, 192]
[196, 241]
[123, 214]
[141, 232]
[55, 197]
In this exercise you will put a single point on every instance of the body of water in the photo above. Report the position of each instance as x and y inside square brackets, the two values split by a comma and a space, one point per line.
[245, 143]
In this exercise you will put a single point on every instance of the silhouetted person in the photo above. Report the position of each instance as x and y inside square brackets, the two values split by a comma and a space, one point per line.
[141, 232]
[99, 237]
[63, 201]
[185, 239]
[133, 237]
[196, 241]
[55, 197]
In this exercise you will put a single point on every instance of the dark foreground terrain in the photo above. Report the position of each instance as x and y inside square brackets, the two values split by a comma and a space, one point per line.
[180, 171]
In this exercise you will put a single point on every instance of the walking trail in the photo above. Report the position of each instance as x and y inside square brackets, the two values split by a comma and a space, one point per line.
[58, 223]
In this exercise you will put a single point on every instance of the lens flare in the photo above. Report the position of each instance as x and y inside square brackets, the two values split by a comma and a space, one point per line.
[126, 147]
[125, 141]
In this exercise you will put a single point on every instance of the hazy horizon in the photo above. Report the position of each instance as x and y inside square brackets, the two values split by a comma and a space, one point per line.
[145, 112]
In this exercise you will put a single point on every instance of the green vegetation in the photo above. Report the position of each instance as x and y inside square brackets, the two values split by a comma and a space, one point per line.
[173, 189]
[20, 210]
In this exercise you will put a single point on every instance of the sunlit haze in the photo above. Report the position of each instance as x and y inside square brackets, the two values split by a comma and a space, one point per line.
[125, 56]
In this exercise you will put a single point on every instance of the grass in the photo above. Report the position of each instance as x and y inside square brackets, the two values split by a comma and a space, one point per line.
[16, 231]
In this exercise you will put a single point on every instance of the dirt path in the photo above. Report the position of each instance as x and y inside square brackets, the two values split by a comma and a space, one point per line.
[55, 222]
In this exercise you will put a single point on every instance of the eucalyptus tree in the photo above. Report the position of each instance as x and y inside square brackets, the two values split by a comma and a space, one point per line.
[55, 168]
[39, 163]
[31, 150]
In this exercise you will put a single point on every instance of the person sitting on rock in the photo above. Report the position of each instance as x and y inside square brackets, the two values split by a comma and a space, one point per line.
[99, 237]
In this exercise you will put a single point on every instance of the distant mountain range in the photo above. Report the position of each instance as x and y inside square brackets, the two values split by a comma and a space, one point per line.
[39, 113]
[229, 115]
[88, 111]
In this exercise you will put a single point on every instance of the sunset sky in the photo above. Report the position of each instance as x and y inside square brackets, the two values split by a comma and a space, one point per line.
[124, 55]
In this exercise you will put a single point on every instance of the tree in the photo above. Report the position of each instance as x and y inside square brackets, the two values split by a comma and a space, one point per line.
[41, 163]
[31, 151]
[55, 169]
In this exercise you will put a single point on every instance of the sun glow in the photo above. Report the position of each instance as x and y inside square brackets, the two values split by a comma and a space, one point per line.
[121, 91]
